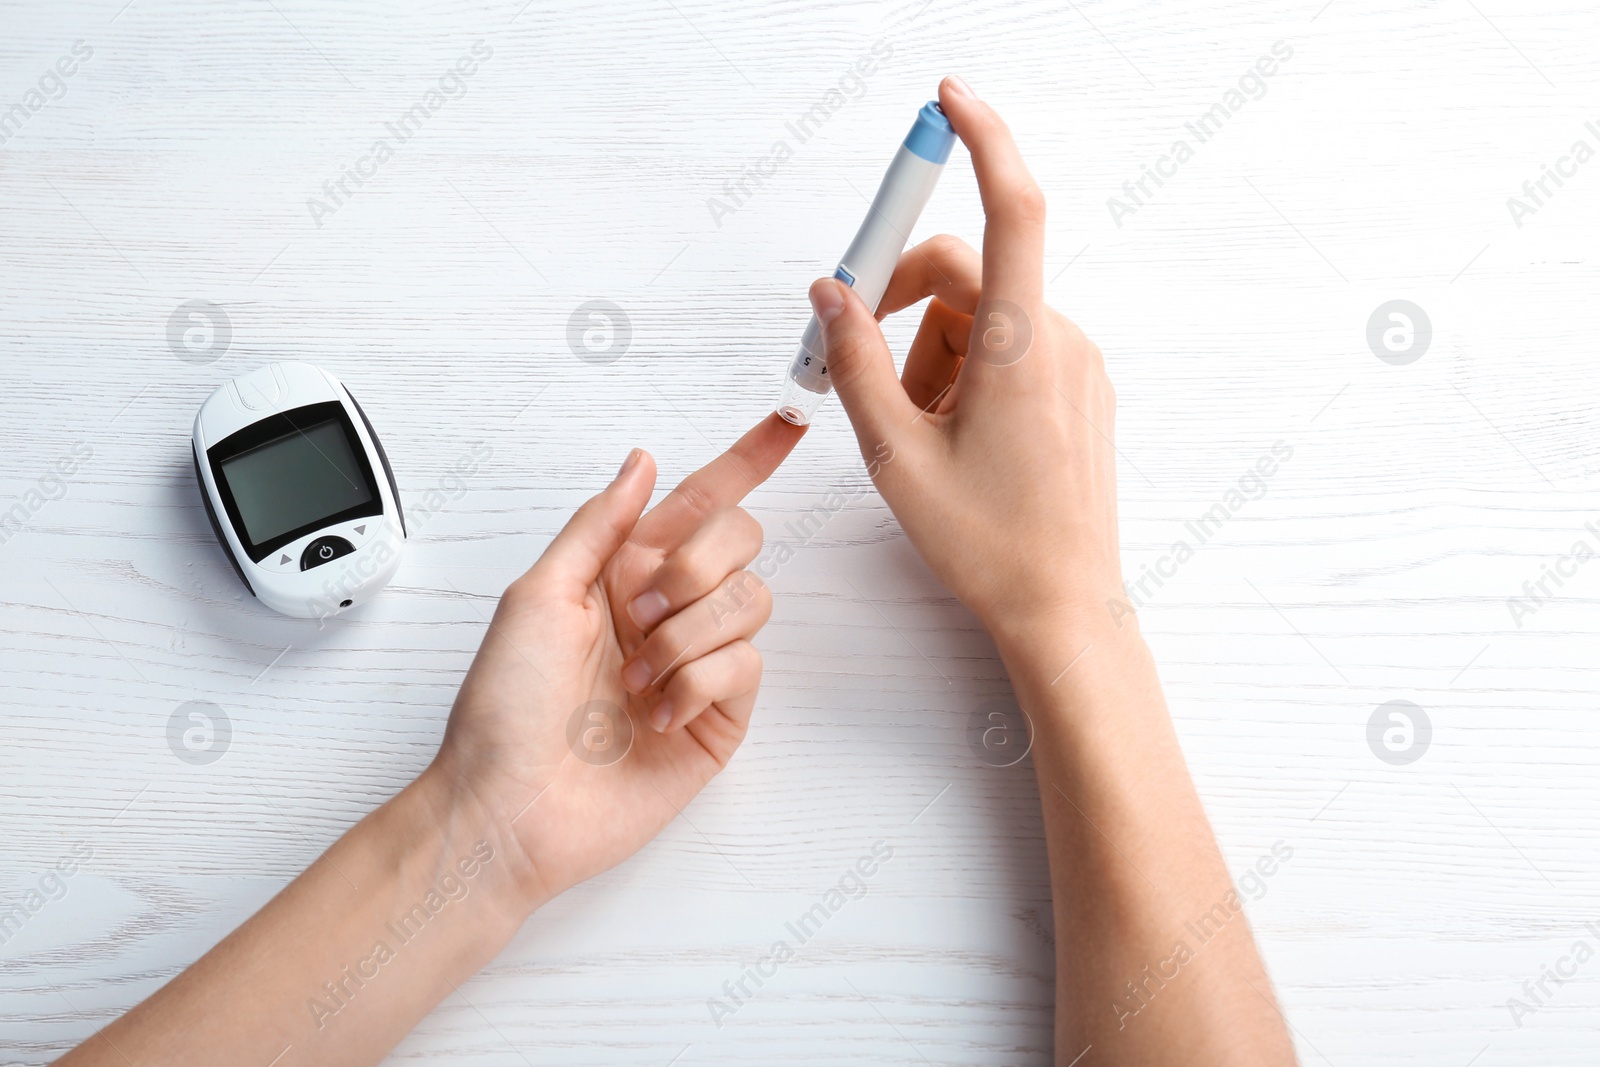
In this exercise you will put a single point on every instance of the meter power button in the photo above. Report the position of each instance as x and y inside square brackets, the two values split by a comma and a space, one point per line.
[324, 549]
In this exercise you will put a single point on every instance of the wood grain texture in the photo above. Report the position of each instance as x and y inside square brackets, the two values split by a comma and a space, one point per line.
[1375, 565]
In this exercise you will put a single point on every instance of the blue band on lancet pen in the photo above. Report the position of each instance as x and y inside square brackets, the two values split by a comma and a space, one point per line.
[931, 136]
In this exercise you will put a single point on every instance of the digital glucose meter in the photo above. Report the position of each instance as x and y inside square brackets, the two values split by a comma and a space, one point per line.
[298, 490]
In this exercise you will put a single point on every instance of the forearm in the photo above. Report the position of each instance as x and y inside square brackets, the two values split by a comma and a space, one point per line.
[349, 956]
[517, 806]
[1155, 960]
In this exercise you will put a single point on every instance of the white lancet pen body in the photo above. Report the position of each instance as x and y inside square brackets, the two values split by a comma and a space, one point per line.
[867, 264]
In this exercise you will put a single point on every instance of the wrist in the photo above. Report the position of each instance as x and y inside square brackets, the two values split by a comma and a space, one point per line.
[468, 830]
[1075, 669]
[1040, 637]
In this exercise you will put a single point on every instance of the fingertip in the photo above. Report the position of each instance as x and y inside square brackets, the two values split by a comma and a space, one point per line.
[764, 448]
[637, 462]
[954, 85]
[637, 676]
[635, 481]
[827, 299]
[959, 103]
[784, 433]
[648, 608]
[839, 307]
[859, 364]
[598, 528]
[661, 716]
[975, 120]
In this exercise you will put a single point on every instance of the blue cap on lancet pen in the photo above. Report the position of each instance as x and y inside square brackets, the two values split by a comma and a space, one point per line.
[931, 136]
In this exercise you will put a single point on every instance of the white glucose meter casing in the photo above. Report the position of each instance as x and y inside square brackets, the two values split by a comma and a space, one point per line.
[298, 490]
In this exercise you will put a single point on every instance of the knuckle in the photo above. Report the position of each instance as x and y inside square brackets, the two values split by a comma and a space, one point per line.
[587, 511]
[696, 499]
[593, 516]
[671, 637]
[696, 680]
[747, 582]
[946, 316]
[747, 526]
[847, 355]
[1074, 337]
[516, 600]
[863, 360]
[692, 566]
[742, 596]
[1095, 358]
[523, 593]
[1027, 202]
[944, 247]
[746, 588]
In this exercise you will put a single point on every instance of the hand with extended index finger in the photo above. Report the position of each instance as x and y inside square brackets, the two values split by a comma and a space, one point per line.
[1001, 424]
[617, 676]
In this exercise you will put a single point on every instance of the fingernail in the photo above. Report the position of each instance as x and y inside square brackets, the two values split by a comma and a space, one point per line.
[627, 464]
[827, 301]
[636, 676]
[648, 608]
[959, 86]
[661, 716]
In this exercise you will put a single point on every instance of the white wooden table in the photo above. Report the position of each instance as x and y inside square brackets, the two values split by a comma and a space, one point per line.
[1375, 564]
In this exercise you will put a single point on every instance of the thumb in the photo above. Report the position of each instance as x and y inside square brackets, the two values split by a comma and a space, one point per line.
[859, 364]
[598, 528]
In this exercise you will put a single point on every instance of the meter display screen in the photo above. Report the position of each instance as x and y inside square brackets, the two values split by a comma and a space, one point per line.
[301, 479]
[292, 474]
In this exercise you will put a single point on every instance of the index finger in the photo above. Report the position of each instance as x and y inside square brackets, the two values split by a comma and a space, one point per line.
[720, 484]
[942, 266]
[1013, 204]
